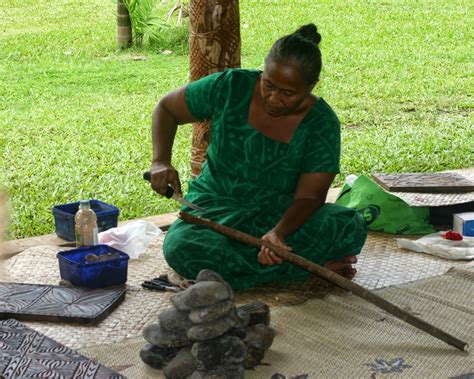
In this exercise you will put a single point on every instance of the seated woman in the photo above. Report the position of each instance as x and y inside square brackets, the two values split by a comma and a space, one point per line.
[273, 154]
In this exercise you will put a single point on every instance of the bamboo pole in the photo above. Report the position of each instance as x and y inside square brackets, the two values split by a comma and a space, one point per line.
[331, 277]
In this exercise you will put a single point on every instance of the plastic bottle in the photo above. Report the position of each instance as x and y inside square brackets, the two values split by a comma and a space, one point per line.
[86, 225]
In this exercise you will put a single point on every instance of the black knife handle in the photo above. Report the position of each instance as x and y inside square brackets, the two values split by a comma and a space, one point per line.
[169, 191]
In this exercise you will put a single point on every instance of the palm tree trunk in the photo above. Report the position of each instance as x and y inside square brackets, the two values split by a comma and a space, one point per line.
[214, 46]
[124, 26]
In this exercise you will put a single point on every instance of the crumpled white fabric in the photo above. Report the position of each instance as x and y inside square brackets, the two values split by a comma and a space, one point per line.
[435, 244]
[132, 238]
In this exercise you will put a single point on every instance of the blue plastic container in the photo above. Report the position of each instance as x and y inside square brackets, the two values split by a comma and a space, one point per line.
[107, 217]
[73, 267]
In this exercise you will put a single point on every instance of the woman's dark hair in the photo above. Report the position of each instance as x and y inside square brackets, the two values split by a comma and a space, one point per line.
[301, 47]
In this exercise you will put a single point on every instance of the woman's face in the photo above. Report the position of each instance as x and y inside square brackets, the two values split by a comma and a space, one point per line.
[283, 88]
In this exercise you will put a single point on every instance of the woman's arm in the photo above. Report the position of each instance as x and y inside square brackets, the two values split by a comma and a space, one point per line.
[310, 194]
[170, 112]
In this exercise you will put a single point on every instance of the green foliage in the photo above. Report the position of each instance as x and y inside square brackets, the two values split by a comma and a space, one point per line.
[173, 39]
[145, 22]
[75, 114]
[180, 8]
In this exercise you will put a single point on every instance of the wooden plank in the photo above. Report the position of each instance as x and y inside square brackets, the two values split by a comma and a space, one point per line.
[38, 302]
[434, 182]
[164, 221]
[10, 248]
[27, 353]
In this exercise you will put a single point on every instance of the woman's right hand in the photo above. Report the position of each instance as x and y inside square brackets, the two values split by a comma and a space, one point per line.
[163, 174]
[268, 257]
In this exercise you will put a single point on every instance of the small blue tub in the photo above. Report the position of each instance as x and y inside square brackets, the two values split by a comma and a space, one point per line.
[74, 268]
[107, 217]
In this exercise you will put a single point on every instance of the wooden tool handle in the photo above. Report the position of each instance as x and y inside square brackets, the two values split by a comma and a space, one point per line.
[329, 276]
[169, 191]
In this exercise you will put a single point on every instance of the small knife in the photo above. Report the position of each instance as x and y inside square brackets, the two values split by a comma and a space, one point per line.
[171, 194]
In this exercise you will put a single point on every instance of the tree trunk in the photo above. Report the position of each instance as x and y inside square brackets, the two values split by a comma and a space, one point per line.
[124, 26]
[214, 46]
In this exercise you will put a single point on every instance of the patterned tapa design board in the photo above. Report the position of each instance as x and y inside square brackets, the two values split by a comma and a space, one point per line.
[25, 353]
[437, 182]
[36, 302]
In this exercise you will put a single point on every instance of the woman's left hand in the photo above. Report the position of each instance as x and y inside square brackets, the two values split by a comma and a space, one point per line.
[268, 257]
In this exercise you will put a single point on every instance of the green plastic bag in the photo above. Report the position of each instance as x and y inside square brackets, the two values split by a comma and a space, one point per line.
[383, 211]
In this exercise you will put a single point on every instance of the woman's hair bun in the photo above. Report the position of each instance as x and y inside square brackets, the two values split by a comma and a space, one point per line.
[300, 47]
[310, 33]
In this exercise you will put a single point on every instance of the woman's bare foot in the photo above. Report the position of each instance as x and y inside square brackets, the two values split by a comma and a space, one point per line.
[175, 279]
[343, 266]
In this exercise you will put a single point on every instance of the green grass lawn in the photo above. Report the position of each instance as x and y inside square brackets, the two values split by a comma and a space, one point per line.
[75, 113]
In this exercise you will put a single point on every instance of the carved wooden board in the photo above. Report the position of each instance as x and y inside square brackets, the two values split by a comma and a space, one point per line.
[25, 353]
[437, 182]
[36, 302]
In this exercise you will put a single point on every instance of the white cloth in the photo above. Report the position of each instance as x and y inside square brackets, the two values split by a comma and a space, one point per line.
[435, 244]
[132, 238]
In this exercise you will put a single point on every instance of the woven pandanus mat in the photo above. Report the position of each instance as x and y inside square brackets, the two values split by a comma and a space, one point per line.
[39, 265]
[381, 264]
[343, 336]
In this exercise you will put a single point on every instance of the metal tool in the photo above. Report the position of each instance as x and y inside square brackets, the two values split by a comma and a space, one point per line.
[158, 285]
[171, 194]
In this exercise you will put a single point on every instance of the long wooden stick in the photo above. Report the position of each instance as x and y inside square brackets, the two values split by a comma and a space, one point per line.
[331, 277]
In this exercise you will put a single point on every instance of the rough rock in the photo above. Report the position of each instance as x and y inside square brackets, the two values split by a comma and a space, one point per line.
[202, 294]
[211, 313]
[182, 366]
[260, 333]
[227, 350]
[211, 276]
[213, 329]
[255, 354]
[174, 320]
[258, 313]
[158, 336]
[157, 357]
[221, 372]
[244, 318]
[237, 332]
[258, 341]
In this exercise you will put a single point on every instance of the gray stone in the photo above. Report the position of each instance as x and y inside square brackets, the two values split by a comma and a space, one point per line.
[258, 313]
[158, 336]
[244, 318]
[182, 366]
[211, 313]
[259, 339]
[227, 350]
[216, 328]
[260, 333]
[174, 320]
[211, 276]
[255, 354]
[237, 332]
[221, 372]
[157, 357]
[202, 294]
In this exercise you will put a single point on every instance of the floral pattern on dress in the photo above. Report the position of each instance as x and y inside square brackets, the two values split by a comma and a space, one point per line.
[387, 366]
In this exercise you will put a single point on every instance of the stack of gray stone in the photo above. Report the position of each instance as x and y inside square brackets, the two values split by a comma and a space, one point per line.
[204, 335]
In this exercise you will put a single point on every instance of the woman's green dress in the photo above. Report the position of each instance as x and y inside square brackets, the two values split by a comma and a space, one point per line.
[247, 183]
